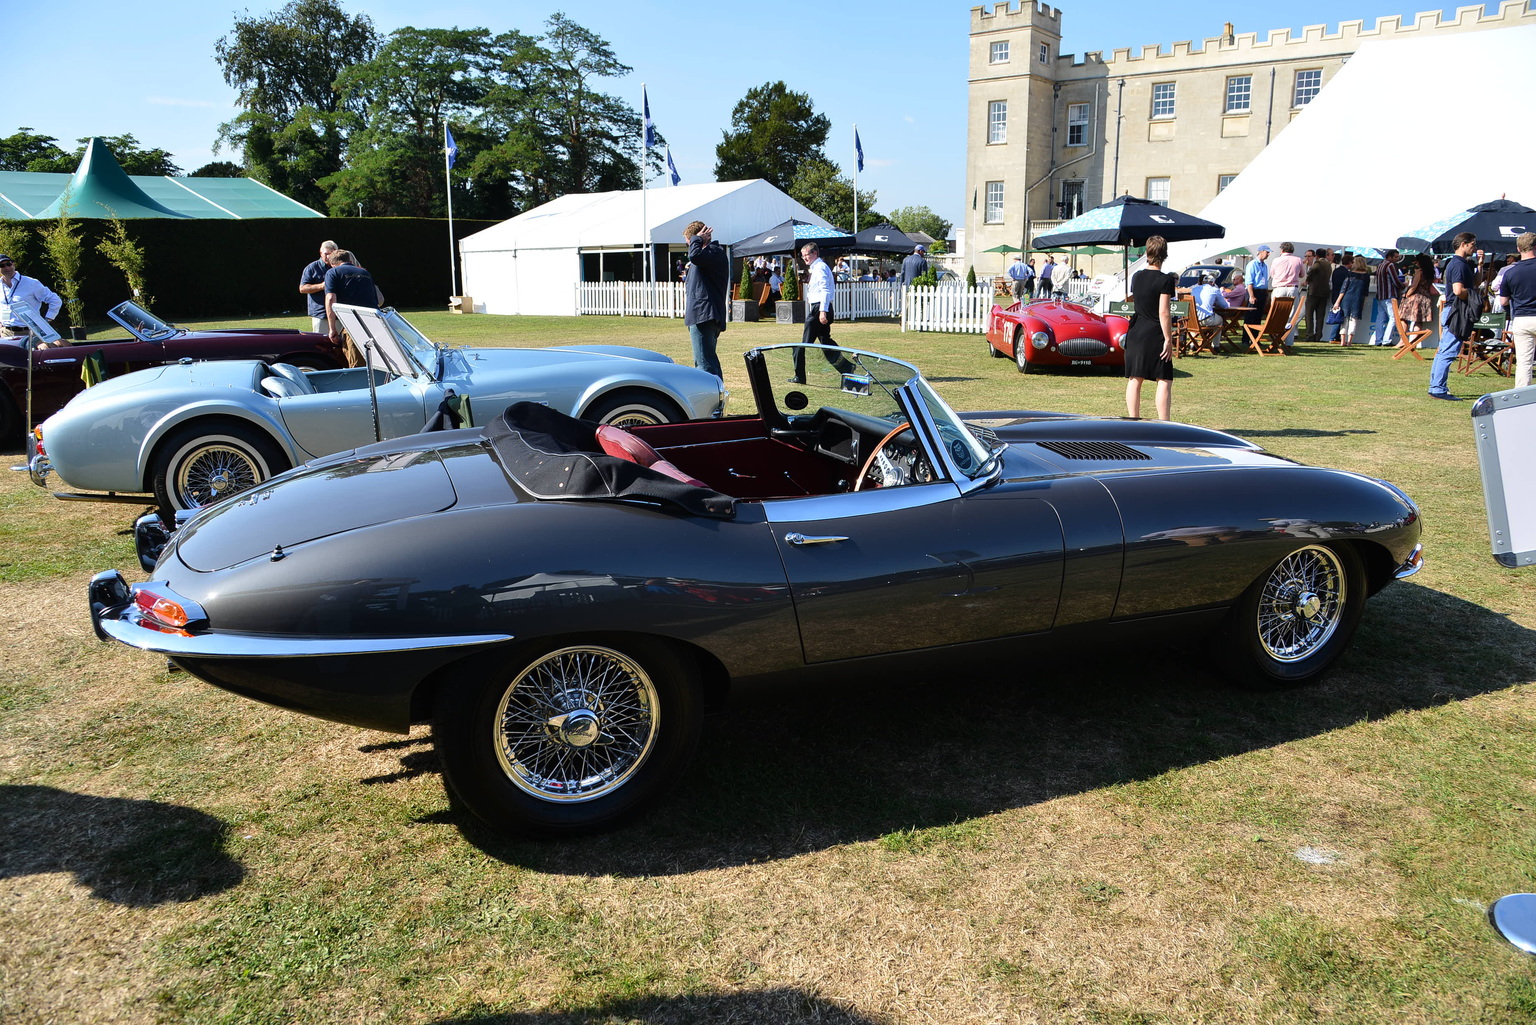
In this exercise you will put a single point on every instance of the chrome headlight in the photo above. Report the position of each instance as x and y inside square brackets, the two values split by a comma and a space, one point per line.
[1040, 339]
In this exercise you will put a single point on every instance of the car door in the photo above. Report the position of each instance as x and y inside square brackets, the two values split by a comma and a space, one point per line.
[899, 569]
[332, 421]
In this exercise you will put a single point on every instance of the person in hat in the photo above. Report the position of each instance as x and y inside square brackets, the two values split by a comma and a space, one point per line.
[704, 288]
[914, 266]
[1019, 274]
[1256, 281]
[17, 287]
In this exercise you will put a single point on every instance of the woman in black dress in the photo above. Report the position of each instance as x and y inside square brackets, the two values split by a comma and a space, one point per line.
[1149, 343]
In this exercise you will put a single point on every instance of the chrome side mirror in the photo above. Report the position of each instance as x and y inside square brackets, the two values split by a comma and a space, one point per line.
[1514, 918]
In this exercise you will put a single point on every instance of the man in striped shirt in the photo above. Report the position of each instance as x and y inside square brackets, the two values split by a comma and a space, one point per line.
[1389, 287]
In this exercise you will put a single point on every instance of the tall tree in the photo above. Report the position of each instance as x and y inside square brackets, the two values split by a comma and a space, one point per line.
[219, 169]
[294, 126]
[773, 131]
[418, 80]
[819, 185]
[920, 218]
[24, 147]
[558, 132]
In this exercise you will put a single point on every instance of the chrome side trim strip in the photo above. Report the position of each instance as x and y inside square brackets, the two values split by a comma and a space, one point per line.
[121, 625]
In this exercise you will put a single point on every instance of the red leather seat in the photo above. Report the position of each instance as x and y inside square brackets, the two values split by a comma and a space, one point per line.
[620, 444]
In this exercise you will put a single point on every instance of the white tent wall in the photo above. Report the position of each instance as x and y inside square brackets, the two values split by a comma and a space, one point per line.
[531, 263]
[1399, 138]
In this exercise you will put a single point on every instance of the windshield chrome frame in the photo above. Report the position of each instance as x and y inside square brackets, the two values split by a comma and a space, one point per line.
[159, 334]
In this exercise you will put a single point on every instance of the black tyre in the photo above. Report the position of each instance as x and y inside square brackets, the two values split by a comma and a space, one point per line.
[308, 362]
[634, 407]
[1021, 351]
[1290, 627]
[206, 461]
[992, 350]
[567, 739]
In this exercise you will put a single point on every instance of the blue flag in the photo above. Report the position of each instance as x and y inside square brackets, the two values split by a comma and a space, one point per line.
[449, 146]
[672, 167]
[650, 129]
[858, 149]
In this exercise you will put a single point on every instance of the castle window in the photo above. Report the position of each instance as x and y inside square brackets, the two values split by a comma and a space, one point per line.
[999, 53]
[1239, 94]
[1158, 189]
[994, 203]
[1077, 124]
[1222, 181]
[997, 122]
[1308, 85]
[1162, 99]
[1045, 53]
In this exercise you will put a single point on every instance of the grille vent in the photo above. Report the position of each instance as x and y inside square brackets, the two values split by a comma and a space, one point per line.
[1094, 450]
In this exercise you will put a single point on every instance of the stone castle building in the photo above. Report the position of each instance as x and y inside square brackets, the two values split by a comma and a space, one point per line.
[1051, 134]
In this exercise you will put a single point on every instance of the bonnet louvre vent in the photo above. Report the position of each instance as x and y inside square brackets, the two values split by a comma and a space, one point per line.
[1094, 450]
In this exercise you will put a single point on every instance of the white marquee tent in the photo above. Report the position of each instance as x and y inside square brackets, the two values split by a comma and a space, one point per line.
[532, 263]
[1402, 136]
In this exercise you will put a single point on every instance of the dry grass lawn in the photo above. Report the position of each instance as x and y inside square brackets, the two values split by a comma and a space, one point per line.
[1098, 837]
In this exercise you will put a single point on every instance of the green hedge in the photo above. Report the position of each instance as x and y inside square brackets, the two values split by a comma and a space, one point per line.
[209, 269]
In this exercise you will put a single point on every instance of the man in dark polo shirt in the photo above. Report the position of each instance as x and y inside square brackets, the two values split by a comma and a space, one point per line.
[1460, 280]
[349, 284]
[1518, 288]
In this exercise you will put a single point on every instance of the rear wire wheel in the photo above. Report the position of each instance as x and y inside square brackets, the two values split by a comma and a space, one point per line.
[568, 739]
[204, 462]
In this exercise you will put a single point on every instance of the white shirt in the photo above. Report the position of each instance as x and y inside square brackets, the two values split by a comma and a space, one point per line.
[42, 298]
[819, 288]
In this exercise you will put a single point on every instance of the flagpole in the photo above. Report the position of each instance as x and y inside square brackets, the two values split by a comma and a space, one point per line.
[855, 178]
[645, 223]
[453, 267]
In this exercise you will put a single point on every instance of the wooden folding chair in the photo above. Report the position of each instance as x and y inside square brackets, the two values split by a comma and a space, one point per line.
[1196, 339]
[1488, 347]
[1409, 339]
[1277, 320]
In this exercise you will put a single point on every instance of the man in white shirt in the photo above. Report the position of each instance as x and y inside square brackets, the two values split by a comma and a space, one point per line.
[17, 287]
[818, 308]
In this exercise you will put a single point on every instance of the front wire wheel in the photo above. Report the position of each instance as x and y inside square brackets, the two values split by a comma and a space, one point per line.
[576, 724]
[567, 740]
[1294, 622]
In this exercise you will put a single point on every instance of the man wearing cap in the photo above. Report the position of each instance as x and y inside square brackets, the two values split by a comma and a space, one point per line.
[1019, 274]
[1256, 281]
[914, 267]
[17, 287]
[312, 285]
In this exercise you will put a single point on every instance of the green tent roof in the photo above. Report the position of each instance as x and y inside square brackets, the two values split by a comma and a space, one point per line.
[100, 188]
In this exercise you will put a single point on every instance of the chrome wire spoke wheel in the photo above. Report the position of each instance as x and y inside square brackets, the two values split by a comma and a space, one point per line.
[215, 472]
[1302, 604]
[576, 724]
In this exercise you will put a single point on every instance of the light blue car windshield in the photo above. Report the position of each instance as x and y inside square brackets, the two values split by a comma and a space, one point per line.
[416, 345]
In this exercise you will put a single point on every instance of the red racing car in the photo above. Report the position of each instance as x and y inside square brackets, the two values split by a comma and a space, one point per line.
[1052, 333]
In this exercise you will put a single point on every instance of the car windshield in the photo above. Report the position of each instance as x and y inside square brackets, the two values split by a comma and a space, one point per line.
[141, 322]
[416, 345]
[862, 382]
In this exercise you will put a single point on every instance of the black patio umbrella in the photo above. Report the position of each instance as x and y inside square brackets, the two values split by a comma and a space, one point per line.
[789, 237]
[1496, 224]
[882, 238]
[1128, 221]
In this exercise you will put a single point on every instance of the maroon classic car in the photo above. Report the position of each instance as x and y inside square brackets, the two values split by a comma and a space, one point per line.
[150, 341]
[1051, 333]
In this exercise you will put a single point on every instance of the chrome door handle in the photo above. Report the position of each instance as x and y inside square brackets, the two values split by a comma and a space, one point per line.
[52, 361]
[803, 539]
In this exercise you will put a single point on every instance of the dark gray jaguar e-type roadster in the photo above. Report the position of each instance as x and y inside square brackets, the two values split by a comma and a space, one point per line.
[563, 600]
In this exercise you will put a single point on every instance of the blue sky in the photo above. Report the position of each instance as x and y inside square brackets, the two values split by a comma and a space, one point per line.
[896, 68]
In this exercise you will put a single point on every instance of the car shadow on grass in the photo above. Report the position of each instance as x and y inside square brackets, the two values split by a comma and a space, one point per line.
[783, 1005]
[133, 853]
[808, 770]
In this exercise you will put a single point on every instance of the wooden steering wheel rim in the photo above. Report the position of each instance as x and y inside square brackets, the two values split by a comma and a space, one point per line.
[858, 482]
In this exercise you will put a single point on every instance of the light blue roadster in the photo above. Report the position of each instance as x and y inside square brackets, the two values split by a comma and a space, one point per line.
[193, 433]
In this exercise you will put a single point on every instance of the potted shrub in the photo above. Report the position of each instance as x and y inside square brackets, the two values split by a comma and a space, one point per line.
[790, 309]
[745, 307]
[64, 247]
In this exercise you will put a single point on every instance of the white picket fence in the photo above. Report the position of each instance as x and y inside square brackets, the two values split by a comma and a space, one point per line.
[629, 299]
[946, 308]
[853, 300]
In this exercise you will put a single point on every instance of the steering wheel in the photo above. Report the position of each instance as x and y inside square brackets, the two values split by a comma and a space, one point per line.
[904, 464]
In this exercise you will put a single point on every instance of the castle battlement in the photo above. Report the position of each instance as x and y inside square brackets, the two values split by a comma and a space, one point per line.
[1028, 14]
[1347, 35]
